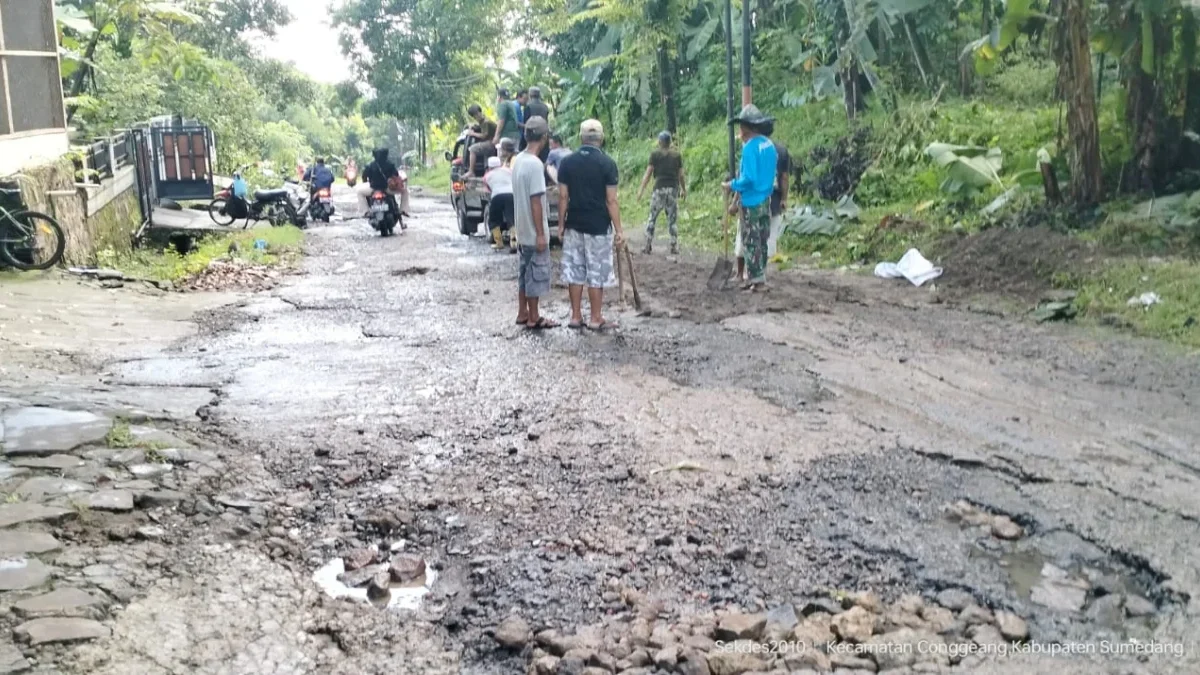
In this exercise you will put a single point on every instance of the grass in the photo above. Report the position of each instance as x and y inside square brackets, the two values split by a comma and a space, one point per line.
[1104, 297]
[283, 244]
[433, 180]
[121, 437]
[901, 181]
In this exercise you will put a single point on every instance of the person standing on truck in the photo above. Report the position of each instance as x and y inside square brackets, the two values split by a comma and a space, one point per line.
[536, 107]
[485, 136]
[498, 179]
[522, 113]
[507, 123]
[532, 224]
[666, 167]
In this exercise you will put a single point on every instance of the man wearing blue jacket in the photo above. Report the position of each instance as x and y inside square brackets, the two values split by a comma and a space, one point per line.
[753, 187]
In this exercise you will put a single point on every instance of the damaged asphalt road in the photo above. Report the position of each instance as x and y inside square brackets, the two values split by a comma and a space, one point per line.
[844, 435]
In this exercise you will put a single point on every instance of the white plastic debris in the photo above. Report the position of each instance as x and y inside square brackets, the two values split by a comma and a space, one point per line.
[1144, 300]
[913, 266]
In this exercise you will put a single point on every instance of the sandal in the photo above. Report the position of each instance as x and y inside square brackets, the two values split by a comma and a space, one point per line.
[542, 324]
[603, 326]
[522, 322]
[576, 325]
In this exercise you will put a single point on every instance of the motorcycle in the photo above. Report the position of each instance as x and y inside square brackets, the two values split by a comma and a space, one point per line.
[322, 208]
[379, 213]
[278, 207]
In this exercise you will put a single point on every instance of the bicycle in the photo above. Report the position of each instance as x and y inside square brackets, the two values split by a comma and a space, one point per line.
[29, 240]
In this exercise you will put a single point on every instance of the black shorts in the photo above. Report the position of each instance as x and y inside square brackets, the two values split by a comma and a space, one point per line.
[500, 212]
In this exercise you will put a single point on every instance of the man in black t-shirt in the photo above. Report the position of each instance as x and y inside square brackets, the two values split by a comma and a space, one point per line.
[589, 224]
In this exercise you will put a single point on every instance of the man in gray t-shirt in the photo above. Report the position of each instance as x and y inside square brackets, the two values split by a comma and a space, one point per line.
[533, 233]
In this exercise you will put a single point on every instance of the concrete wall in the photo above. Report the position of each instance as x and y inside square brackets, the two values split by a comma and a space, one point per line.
[19, 152]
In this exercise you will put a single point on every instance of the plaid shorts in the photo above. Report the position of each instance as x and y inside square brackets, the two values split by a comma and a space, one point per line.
[587, 260]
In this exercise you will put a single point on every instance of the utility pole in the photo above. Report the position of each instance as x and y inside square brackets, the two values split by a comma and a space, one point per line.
[729, 85]
[747, 29]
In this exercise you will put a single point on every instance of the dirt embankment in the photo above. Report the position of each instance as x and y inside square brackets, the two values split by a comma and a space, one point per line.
[1021, 262]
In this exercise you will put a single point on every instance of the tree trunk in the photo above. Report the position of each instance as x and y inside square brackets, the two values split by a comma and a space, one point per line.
[928, 76]
[1075, 78]
[986, 6]
[81, 73]
[852, 93]
[1142, 116]
[666, 75]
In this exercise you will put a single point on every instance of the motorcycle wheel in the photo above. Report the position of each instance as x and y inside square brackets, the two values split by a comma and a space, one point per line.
[217, 211]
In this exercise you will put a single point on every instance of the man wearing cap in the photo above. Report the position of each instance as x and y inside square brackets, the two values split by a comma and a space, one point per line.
[589, 223]
[533, 229]
[753, 187]
[666, 166]
[536, 107]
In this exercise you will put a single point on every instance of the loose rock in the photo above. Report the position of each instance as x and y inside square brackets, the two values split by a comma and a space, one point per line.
[380, 588]
[513, 633]
[736, 659]
[1012, 627]
[954, 599]
[359, 558]
[741, 627]
[20, 542]
[1137, 606]
[48, 431]
[854, 625]
[1004, 528]
[407, 569]
[110, 500]
[60, 602]
[17, 574]
[11, 659]
[41, 631]
[52, 462]
[975, 615]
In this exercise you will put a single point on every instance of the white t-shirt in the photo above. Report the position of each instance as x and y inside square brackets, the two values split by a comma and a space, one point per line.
[499, 180]
[529, 181]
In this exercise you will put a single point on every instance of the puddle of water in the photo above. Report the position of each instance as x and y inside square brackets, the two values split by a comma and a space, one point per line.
[403, 596]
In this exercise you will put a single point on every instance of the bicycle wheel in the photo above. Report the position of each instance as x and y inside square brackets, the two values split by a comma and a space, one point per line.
[218, 213]
[31, 241]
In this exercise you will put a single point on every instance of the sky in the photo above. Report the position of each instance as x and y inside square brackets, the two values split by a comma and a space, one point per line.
[309, 41]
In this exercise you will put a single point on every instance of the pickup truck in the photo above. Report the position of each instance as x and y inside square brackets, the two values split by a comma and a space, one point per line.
[471, 198]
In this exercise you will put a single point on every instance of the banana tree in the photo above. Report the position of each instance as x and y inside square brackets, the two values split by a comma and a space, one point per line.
[87, 24]
[854, 50]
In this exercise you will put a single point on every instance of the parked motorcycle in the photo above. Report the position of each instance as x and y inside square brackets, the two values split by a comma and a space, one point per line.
[322, 208]
[278, 207]
[379, 213]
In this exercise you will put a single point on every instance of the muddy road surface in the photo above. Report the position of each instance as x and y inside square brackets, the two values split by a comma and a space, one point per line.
[828, 471]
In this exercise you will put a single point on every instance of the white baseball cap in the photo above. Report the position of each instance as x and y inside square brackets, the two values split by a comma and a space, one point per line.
[493, 162]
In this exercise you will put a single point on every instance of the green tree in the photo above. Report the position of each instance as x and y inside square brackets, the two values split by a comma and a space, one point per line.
[421, 60]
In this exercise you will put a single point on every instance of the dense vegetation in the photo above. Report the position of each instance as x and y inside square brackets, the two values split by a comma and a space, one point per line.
[127, 60]
[911, 122]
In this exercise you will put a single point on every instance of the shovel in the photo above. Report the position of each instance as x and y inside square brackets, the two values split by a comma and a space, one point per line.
[724, 267]
[637, 298]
